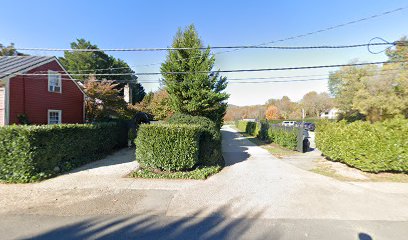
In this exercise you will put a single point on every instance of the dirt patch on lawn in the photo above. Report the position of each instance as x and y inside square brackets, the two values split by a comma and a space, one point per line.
[341, 171]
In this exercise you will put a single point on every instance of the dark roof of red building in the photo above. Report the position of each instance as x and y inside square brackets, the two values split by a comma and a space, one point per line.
[14, 65]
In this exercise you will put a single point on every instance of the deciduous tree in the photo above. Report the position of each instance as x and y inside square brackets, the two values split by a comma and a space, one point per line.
[160, 105]
[103, 100]
[315, 103]
[272, 113]
[374, 93]
[7, 50]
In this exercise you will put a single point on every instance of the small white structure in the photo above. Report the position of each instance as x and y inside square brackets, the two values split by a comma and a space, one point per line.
[331, 114]
[249, 119]
[127, 94]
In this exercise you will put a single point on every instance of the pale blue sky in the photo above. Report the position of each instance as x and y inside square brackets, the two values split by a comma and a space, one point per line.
[127, 24]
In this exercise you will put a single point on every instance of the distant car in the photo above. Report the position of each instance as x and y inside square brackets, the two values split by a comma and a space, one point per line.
[310, 126]
[289, 123]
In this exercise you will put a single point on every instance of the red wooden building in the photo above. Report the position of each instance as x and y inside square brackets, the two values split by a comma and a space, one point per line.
[39, 90]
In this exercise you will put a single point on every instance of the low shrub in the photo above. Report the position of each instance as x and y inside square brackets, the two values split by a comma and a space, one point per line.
[251, 128]
[284, 136]
[30, 153]
[168, 147]
[378, 147]
[210, 139]
[241, 125]
[263, 131]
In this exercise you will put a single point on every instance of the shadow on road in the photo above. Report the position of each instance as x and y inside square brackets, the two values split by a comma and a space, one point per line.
[234, 147]
[156, 227]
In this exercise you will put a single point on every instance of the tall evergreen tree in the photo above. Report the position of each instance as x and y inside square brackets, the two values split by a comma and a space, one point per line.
[197, 89]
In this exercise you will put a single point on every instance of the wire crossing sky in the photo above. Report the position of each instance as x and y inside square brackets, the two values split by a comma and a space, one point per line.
[266, 24]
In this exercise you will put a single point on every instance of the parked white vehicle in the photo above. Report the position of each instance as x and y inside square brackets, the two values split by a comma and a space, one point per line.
[288, 123]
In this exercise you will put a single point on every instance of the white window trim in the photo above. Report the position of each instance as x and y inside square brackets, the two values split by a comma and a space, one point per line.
[51, 72]
[55, 111]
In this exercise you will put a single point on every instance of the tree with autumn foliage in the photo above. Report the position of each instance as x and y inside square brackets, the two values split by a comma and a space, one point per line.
[160, 105]
[272, 113]
[103, 100]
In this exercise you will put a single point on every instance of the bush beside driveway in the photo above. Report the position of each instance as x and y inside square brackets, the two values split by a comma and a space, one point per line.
[32, 153]
[378, 147]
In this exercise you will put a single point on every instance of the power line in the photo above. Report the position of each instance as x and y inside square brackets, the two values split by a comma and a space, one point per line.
[308, 33]
[405, 43]
[245, 80]
[250, 78]
[235, 82]
[368, 45]
[281, 81]
[339, 25]
[240, 80]
[279, 40]
[220, 71]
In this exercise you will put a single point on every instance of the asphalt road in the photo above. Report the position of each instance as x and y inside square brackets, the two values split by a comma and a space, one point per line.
[215, 227]
[256, 196]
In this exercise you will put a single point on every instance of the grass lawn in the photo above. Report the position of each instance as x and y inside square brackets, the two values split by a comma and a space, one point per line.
[333, 170]
[200, 173]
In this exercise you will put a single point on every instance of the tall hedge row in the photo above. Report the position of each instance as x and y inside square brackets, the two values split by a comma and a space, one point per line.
[284, 136]
[29, 153]
[252, 128]
[168, 147]
[210, 139]
[241, 125]
[369, 147]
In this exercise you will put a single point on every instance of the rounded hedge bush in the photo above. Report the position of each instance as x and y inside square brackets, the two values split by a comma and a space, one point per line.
[168, 147]
[210, 141]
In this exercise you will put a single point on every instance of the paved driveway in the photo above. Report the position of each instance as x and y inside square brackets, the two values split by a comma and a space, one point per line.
[256, 196]
[256, 184]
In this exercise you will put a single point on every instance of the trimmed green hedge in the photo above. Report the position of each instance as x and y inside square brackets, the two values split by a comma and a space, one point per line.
[252, 128]
[241, 125]
[210, 139]
[284, 136]
[369, 147]
[30, 153]
[168, 147]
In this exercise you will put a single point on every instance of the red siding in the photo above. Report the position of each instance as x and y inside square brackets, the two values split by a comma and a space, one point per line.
[2, 106]
[30, 95]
